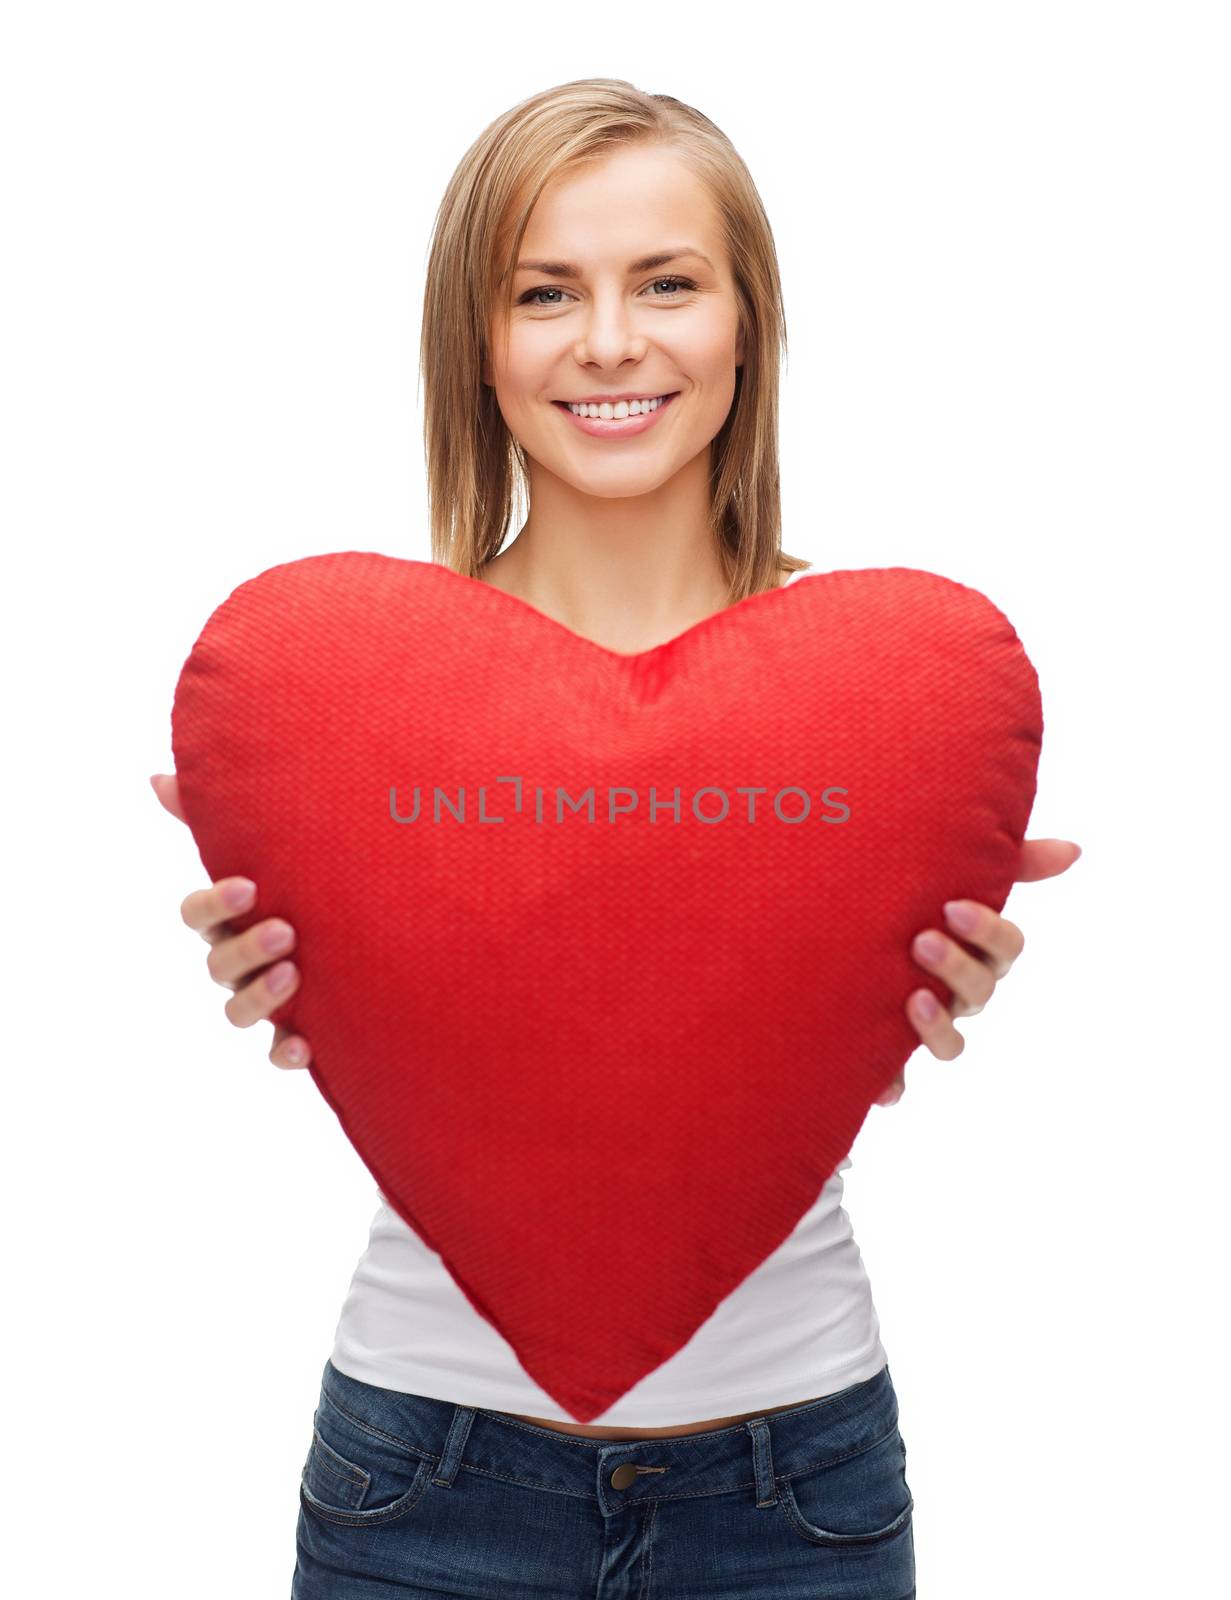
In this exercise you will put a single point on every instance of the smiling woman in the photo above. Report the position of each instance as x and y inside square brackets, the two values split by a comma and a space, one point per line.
[600, 245]
[635, 410]
[655, 362]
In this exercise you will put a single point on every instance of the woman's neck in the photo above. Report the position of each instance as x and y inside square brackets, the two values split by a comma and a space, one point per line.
[603, 596]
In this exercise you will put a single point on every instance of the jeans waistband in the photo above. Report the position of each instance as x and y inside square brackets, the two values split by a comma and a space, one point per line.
[747, 1454]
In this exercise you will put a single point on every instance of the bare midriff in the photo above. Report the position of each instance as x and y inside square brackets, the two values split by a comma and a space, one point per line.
[582, 1430]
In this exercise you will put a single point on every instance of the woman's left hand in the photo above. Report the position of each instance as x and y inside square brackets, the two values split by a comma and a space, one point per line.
[972, 978]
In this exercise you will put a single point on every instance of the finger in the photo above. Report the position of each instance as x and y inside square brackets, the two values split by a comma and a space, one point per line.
[1002, 940]
[262, 994]
[289, 1049]
[235, 958]
[970, 977]
[167, 787]
[894, 1092]
[1045, 858]
[206, 910]
[935, 1028]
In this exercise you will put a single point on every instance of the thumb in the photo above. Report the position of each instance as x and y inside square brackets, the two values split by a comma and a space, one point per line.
[167, 787]
[1045, 858]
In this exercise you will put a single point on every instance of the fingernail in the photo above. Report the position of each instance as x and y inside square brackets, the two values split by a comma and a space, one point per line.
[1076, 847]
[926, 1004]
[962, 915]
[276, 936]
[928, 947]
[238, 892]
[294, 1052]
[279, 977]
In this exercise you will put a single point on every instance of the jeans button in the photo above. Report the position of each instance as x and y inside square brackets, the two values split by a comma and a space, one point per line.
[623, 1476]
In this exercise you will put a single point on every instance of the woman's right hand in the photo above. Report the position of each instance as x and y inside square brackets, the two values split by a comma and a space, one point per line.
[248, 963]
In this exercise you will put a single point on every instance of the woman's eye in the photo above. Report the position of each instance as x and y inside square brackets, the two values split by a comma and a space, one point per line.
[687, 283]
[531, 295]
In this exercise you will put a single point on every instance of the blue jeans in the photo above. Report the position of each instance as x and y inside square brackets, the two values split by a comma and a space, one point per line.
[403, 1495]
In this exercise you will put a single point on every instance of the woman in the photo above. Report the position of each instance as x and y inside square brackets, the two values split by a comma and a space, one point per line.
[603, 315]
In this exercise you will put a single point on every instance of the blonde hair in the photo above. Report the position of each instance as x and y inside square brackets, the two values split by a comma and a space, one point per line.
[474, 464]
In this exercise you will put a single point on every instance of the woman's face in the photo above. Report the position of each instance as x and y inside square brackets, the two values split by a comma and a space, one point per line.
[603, 321]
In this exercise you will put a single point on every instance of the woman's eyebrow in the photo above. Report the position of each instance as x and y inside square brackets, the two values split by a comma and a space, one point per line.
[569, 269]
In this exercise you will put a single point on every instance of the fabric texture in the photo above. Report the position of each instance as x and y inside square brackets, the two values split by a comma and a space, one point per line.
[604, 956]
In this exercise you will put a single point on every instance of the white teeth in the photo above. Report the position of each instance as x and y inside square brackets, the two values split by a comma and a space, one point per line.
[621, 408]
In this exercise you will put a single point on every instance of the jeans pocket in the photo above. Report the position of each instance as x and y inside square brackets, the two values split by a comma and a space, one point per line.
[858, 1501]
[357, 1475]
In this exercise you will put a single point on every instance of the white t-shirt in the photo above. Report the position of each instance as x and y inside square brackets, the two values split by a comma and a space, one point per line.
[801, 1325]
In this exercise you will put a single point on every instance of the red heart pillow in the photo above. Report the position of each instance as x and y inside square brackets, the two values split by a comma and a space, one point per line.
[603, 1008]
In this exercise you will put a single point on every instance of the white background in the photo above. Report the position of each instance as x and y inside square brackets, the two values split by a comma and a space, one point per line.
[1003, 235]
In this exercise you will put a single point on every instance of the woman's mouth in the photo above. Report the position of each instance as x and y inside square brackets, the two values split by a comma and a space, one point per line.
[617, 427]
